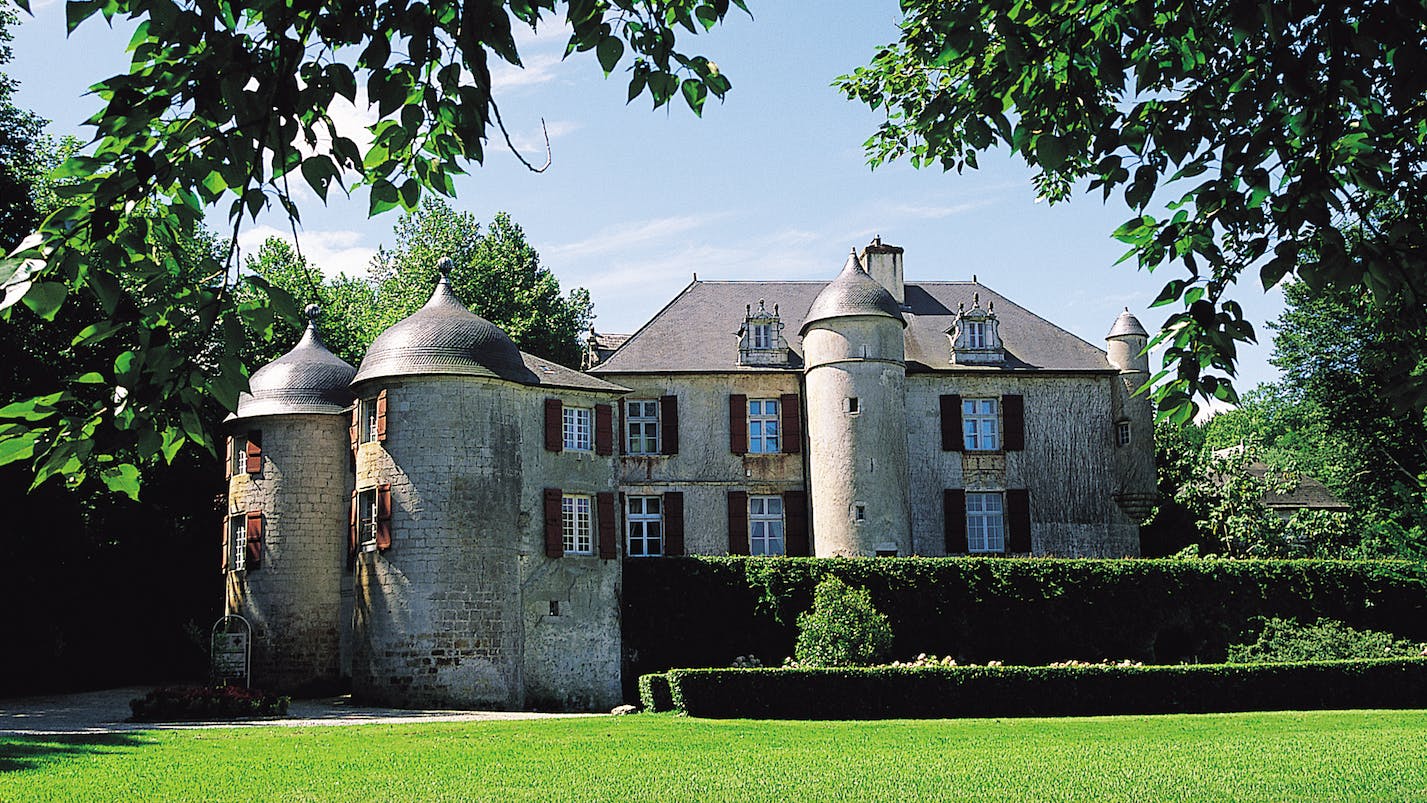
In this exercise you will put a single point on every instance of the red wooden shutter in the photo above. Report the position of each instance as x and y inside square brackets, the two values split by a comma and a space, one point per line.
[953, 504]
[738, 424]
[669, 425]
[224, 542]
[352, 528]
[554, 523]
[384, 517]
[621, 435]
[1018, 520]
[604, 429]
[381, 415]
[792, 423]
[738, 522]
[1013, 423]
[228, 460]
[356, 422]
[604, 503]
[254, 557]
[951, 435]
[255, 452]
[554, 429]
[795, 523]
[674, 523]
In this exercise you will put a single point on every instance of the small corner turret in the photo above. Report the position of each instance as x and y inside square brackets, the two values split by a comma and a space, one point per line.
[1125, 345]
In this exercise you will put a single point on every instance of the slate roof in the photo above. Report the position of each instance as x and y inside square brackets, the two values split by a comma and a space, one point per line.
[1306, 493]
[307, 379]
[695, 333]
[852, 293]
[554, 375]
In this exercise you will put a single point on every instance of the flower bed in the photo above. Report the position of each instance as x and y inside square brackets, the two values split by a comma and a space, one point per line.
[206, 702]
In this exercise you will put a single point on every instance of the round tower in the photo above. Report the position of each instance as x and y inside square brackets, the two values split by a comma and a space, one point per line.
[855, 375]
[289, 478]
[1133, 414]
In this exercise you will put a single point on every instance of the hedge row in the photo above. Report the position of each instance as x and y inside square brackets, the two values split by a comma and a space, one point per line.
[976, 691]
[1021, 611]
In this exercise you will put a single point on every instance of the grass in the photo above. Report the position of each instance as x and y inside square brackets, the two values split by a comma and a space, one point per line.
[1352, 755]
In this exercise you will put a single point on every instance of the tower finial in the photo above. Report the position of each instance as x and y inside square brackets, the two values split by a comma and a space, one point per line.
[312, 311]
[445, 266]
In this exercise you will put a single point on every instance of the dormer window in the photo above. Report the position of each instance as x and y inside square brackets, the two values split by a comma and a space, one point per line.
[975, 334]
[760, 341]
[762, 335]
[976, 337]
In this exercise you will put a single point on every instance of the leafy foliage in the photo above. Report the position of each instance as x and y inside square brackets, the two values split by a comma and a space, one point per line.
[1247, 135]
[843, 628]
[1284, 640]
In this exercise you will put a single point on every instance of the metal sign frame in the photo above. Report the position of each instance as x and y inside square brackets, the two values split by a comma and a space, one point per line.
[231, 636]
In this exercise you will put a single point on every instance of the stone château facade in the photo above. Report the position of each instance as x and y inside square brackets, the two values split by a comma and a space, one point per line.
[443, 525]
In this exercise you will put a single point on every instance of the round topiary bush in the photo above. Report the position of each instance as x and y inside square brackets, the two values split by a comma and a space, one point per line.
[843, 628]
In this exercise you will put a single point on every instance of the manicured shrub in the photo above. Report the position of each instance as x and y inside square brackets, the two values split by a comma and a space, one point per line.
[843, 628]
[654, 693]
[206, 702]
[983, 691]
[1284, 640]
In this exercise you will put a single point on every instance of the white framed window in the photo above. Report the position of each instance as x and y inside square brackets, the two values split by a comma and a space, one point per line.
[980, 425]
[367, 519]
[240, 455]
[763, 426]
[644, 526]
[641, 426]
[851, 406]
[577, 428]
[985, 522]
[975, 334]
[762, 336]
[238, 542]
[1123, 433]
[765, 525]
[577, 525]
[369, 420]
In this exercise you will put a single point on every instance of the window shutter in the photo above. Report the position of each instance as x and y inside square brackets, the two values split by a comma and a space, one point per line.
[224, 542]
[554, 429]
[554, 523]
[1018, 520]
[352, 528]
[674, 523]
[738, 424]
[228, 460]
[1013, 423]
[356, 422]
[604, 503]
[255, 452]
[951, 435]
[381, 415]
[621, 435]
[384, 517]
[669, 425]
[795, 512]
[792, 423]
[953, 505]
[254, 558]
[738, 522]
[604, 429]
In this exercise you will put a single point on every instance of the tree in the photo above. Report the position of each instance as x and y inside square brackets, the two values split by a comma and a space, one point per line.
[226, 103]
[1265, 131]
[349, 317]
[843, 628]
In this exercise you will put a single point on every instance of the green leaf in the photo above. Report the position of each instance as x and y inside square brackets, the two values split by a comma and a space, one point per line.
[694, 94]
[123, 478]
[45, 298]
[608, 53]
[383, 197]
[91, 378]
[19, 447]
[1051, 151]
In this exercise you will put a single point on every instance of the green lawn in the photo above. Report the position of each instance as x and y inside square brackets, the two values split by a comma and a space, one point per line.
[1359, 755]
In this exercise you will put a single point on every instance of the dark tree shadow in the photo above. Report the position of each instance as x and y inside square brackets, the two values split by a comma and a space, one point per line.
[19, 753]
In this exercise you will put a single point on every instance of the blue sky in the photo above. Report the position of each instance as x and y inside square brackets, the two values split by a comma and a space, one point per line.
[772, 183]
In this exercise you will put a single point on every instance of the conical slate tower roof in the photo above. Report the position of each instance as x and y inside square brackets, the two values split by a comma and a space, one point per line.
[853, 292]
[444, 337]
[308, 379]
[1127, 324]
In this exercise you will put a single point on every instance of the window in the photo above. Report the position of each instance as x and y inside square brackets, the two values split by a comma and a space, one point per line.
[975, 334]
[859, 513]
[850, 405]
[237, 541]
[240, 455]
[577, 428]
[1122, 433]
[369, 421]
[644, 523]
[762, 336]
[576, 524]
[641, 423]
[980, 425]
[367, 520]
[762, 426]
[985, 523]
[765, 525]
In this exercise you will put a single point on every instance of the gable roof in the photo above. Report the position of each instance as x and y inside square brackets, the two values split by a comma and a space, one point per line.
[697, 331]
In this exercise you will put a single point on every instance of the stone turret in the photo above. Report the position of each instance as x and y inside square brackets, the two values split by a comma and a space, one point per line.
[1133, 414]
[855, 375]
[284, 534]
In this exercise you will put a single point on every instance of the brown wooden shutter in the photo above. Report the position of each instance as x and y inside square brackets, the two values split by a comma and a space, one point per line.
[674, 523]
[953, 505]
[224, 542]
[621, 435]
[352, 528]
[795, 523]
[554, 523]
[254, 557]
[554, 428]
[1018, 520]
[1013, 423]
[255, 452]
[381, 415]
[738, 522]
[792, 423]
[353, 430]
[669, 425]
[951, 435]
[738, 423]
[384, 517]
[228, 460]
[604, 504]
[604, 429]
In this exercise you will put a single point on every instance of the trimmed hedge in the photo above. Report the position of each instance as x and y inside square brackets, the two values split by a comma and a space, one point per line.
[654, 693]
[177, 703]
[977, 691]
[687, 612]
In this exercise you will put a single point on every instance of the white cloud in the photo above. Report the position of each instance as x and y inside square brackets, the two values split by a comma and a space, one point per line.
[935, 212]
[334, 252]
[531, 142]
[540, 68]
[632, 236]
